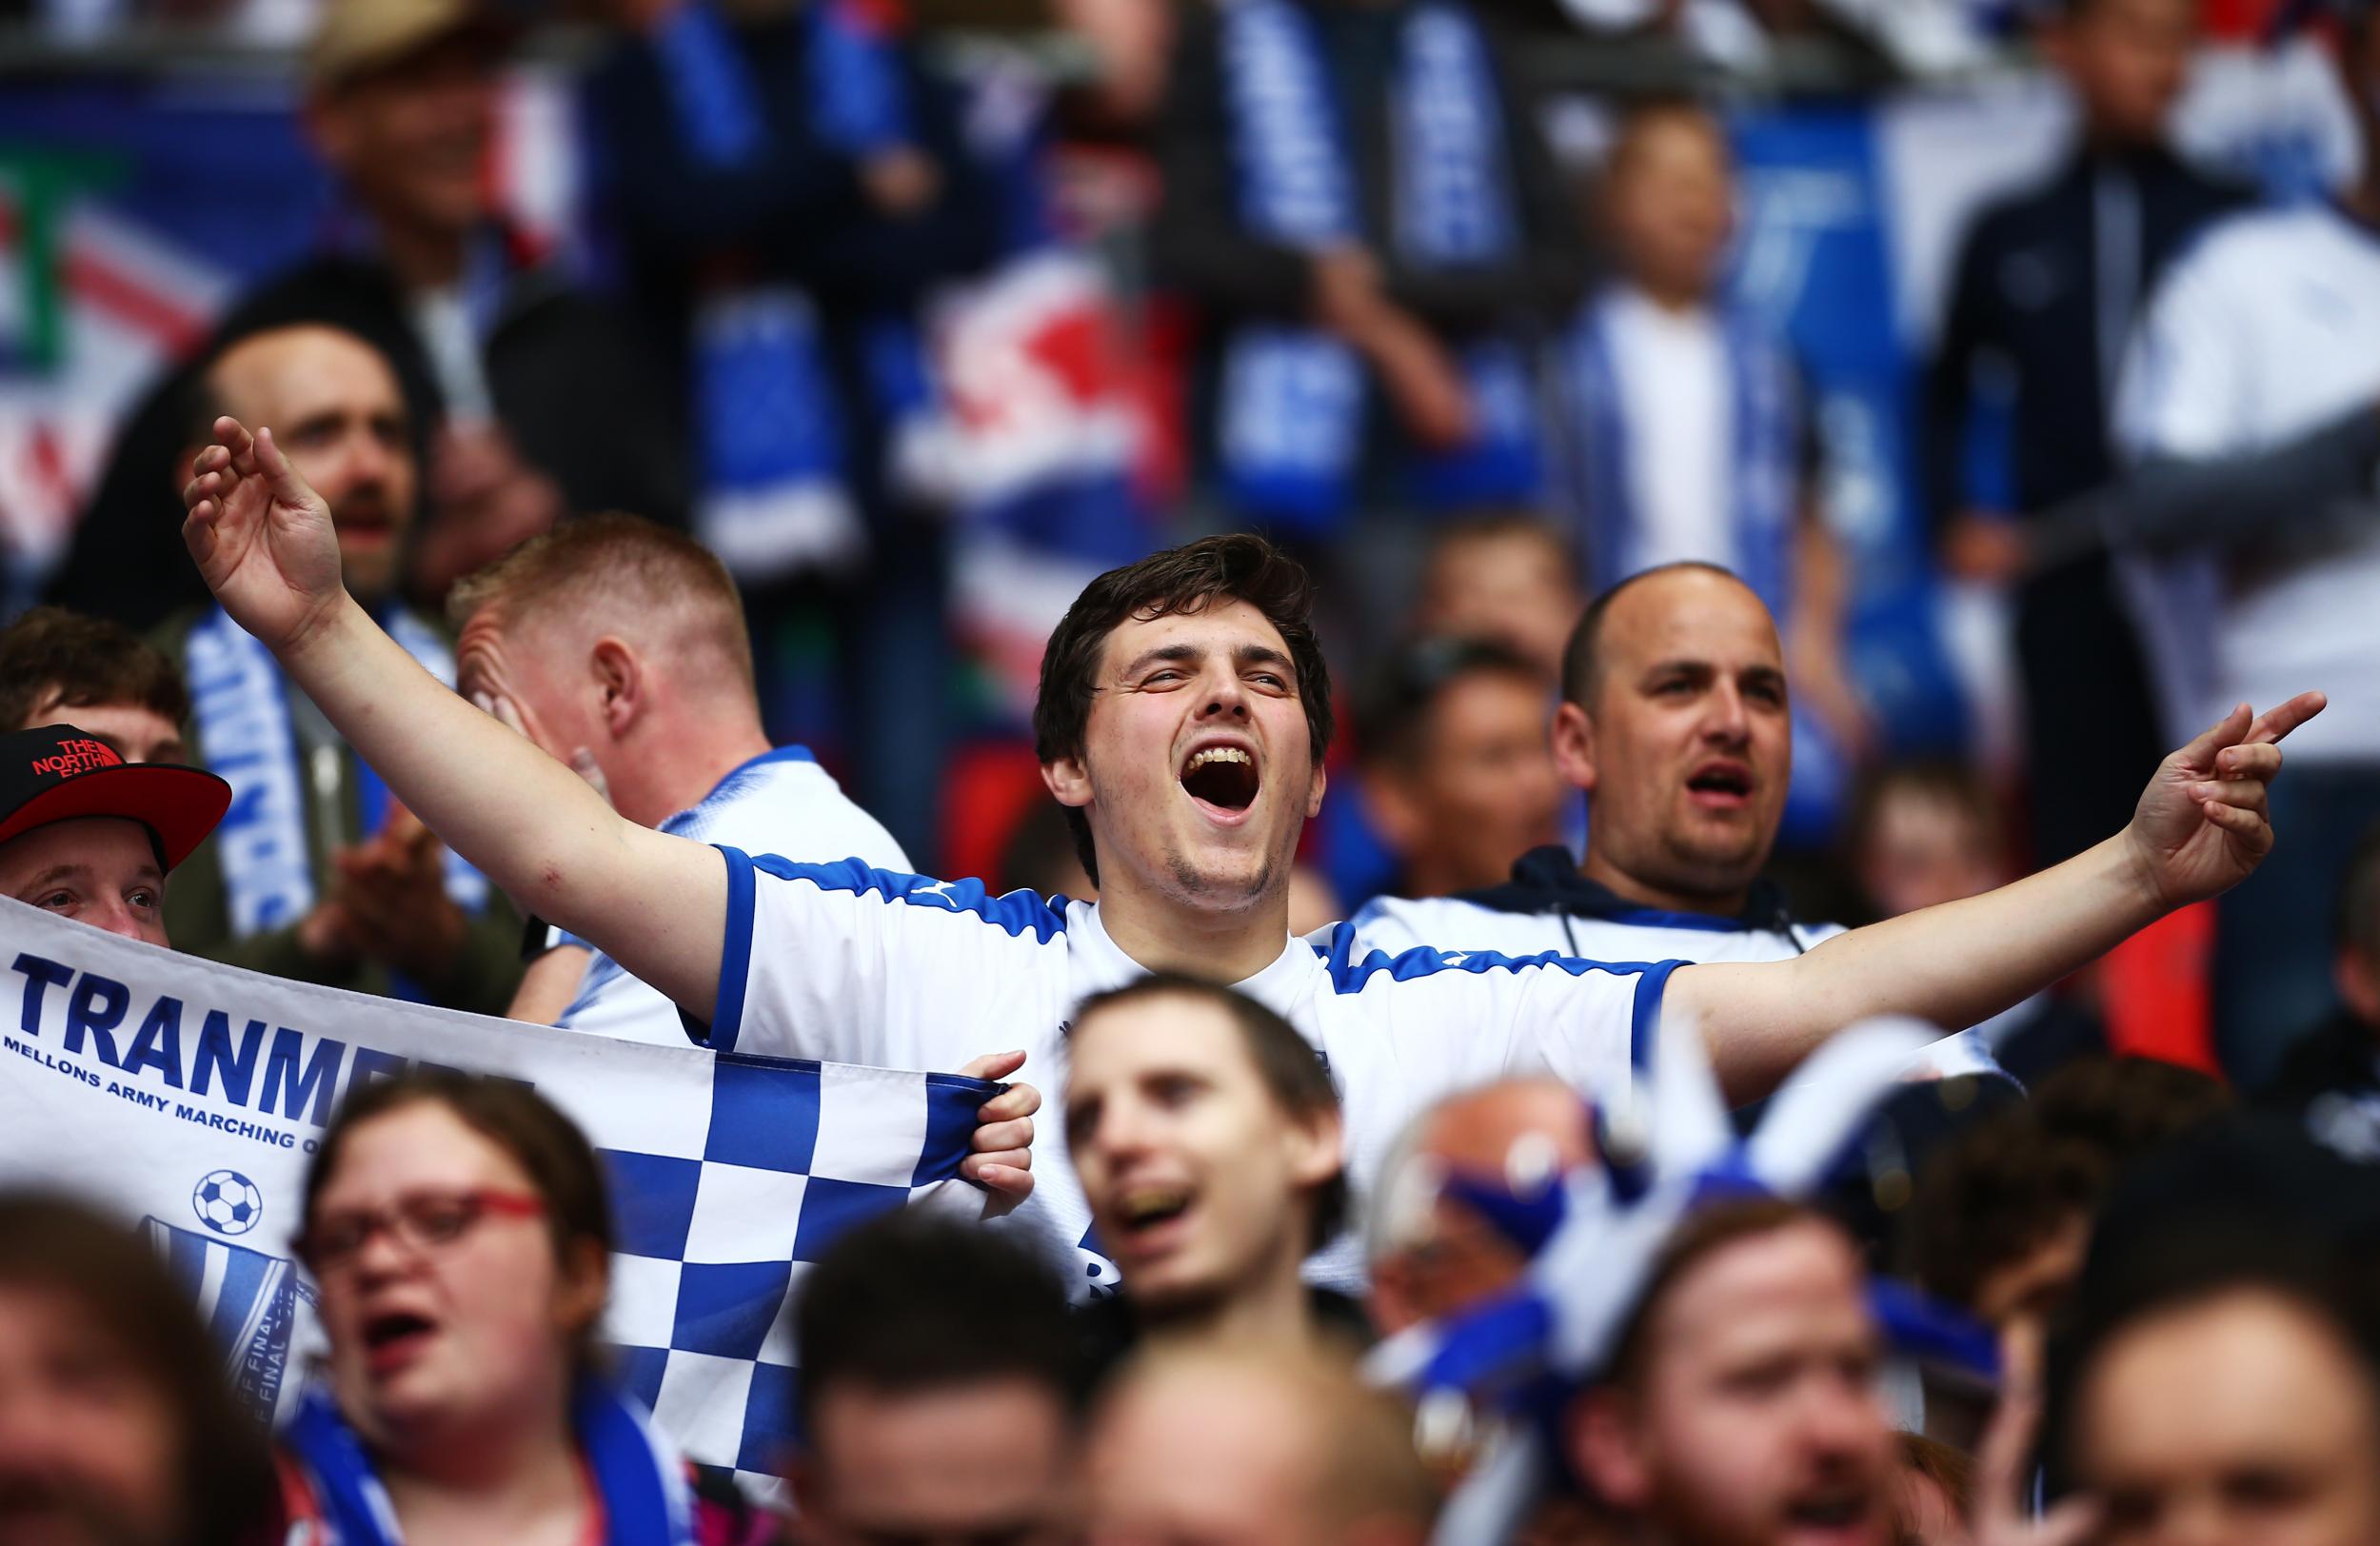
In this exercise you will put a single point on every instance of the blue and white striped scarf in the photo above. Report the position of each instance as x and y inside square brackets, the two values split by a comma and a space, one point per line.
[240, 701]
[1763, 461]
[773, 438]
[1290, 427]
[638, 1474]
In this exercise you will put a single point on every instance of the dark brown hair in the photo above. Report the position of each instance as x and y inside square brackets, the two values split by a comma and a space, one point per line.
[513, 1116]
[1180, 581]
[84, 663]
[50, 1244]
[1286, 1065]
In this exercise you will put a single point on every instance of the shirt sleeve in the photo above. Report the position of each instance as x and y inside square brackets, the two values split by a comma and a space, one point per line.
[1458, 1018]
[844, 962]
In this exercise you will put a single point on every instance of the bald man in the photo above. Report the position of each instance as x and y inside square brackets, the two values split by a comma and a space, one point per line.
[1305, 1455]
[316, 874]
[1468, 1196]
[1676, 722]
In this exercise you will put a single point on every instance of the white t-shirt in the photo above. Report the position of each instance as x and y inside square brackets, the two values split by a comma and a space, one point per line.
[1393, 924]
[853, 965]
[2264, 331]
[1677, 406]
[1639, 934]
[782, 803]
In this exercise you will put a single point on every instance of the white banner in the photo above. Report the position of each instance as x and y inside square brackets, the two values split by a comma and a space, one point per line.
[189, 1096]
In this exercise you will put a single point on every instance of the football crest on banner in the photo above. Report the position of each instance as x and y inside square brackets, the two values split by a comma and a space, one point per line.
[227, 1202]
[247, 1299]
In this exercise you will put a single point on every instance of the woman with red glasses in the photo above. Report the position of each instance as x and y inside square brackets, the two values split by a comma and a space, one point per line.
[459, 1235]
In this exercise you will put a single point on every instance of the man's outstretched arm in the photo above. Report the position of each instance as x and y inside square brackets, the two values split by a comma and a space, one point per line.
[2200, 828]
[264, 541]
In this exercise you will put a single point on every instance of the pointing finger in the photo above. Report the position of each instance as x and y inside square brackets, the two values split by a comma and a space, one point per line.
[2281, 719]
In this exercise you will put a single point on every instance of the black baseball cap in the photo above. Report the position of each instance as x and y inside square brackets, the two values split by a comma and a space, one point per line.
[57, 773]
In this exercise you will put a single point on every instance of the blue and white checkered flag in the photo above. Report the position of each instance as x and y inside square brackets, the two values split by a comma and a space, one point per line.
[188, 1096]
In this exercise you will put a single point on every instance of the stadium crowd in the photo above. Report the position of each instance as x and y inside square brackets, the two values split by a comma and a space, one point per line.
[1455, 1118]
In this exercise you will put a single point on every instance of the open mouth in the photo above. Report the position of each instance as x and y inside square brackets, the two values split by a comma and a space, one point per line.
[1722, 782]
[1833, 1510]
[1223, 777]
[392, 1339]
[1142, 1212]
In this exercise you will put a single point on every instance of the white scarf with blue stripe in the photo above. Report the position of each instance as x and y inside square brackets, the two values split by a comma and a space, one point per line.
[240, 702]
[1291, 419]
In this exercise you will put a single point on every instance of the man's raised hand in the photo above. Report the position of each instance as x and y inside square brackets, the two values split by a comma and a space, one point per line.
[263, 540]
[2202, 824]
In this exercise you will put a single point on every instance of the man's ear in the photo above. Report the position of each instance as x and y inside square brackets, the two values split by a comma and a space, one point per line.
[1573, 739]
[328, 129]
[1068, 782]
[621, 676]
[1318, 1147]
[1607, 1448]
[1315, 788]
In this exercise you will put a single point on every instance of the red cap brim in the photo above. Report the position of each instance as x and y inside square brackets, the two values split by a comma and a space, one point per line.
[180, 804]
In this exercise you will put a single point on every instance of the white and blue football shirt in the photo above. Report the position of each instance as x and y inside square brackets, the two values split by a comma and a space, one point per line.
[781, 802]
[848, 963]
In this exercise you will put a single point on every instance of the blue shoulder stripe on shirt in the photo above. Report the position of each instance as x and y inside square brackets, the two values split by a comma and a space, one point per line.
[735, 957]
[1349, 975]
[1018, 912]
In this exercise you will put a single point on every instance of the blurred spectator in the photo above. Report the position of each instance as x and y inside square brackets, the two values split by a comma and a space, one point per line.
[1207, 1139]
[527, 399]
[2222, 1384]
[1674, 720]
[1740, 1402]
[938, 1390]
[1455, 771]
[1924, 833]
[320, 877]
[2332, 1075]
[88, 836]
[2265, 340]
[2047, 286]
[1469, 1195]
[121, 690]
[460, 1237]
[1684, 414]
[1509, 579]
[787, 185]
[619, 648]
[1359, 201]
[2002, 1218]
[116, 1429]
[1257, 1447]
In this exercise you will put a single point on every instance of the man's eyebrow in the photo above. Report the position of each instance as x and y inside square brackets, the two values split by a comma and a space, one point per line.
[56, 873]
[1247, 655]
[1177, 652]
[1687, 665]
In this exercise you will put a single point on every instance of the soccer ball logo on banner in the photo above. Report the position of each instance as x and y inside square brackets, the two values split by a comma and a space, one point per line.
[227, 1202]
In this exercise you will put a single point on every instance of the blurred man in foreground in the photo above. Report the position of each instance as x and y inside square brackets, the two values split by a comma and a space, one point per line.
[114, 1426]
[1739, 1408]
[1208, 1142]
[1255, 1447]
[938, 1390]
